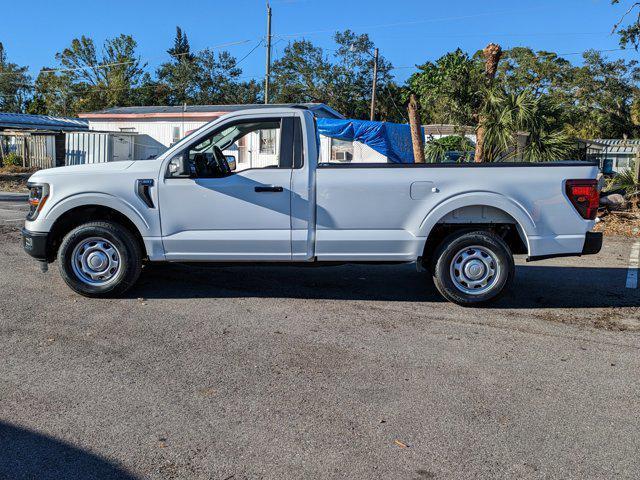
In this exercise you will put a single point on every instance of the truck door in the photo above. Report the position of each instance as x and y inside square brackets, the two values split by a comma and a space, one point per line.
[222, 215]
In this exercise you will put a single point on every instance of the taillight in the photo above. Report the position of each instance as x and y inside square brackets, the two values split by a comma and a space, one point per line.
[584, 196]
[38, 194]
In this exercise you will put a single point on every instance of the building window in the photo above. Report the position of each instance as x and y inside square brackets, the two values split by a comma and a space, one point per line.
[268, 141]
[341, 151]
[127, 129]
[623, 163]
[175, 135]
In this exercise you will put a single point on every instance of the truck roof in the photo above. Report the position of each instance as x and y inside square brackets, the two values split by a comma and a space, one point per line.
[319, 109]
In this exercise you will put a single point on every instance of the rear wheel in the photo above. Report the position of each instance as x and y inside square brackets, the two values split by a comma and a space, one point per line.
[100, 259]
[473, 268]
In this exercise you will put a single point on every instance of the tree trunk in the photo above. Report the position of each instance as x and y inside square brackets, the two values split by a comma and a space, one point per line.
[416, 129]
[479, 156]
[492, 54]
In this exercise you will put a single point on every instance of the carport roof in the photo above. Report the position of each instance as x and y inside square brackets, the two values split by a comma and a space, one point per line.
[21, 121]
[200, 111]
[618, 145]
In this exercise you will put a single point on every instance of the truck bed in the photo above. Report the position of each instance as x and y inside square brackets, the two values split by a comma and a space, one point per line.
[385, 211]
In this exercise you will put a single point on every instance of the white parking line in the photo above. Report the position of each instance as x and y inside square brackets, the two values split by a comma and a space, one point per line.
[634, 259]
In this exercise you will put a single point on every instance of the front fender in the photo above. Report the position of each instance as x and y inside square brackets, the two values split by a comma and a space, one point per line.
[47, 218]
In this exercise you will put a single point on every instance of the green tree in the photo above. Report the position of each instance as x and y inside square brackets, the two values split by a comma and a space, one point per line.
[14, 84]
[390, 104]
[542, 73]
[352, 74]
[101, 80]
[150, 92]
[302, 74]
[602, 96]
[181, 73]
[219, 80]
[450, 89]
[629, 32]
[53, 94]
[343, 80]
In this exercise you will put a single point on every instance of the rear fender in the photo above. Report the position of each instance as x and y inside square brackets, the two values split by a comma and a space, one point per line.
[523, 220]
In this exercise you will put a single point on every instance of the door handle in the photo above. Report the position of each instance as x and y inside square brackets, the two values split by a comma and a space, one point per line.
[269, 188]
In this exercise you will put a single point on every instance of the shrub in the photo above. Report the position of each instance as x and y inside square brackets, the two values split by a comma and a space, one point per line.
[12, 160]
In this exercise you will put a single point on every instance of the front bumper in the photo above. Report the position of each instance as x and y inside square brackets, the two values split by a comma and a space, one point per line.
[35, 244]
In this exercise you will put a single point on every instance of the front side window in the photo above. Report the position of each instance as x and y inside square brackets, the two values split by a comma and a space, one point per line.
[240, 146]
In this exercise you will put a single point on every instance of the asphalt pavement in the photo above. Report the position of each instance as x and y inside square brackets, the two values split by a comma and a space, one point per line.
[342, 372]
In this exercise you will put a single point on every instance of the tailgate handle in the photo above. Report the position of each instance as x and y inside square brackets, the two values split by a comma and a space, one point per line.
[269, 188]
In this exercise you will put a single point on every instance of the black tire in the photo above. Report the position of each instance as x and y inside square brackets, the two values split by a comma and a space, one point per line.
[120, 244]
[495, 256]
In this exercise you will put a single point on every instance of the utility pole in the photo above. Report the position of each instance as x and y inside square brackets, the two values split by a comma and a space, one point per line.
[268, 73]
[373, 87]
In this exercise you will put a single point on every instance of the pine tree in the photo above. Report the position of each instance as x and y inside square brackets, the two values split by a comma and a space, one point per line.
[181, 50]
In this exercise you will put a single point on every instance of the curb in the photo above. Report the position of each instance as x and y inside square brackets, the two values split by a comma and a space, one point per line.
[13, 197]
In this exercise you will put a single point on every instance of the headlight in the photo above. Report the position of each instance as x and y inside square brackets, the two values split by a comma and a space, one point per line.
[38, 194]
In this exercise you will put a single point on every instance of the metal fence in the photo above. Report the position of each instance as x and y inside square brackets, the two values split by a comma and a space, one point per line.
[87, 147]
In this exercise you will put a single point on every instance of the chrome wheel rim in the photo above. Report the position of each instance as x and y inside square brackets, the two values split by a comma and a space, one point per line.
[475, 270]
[96, 261]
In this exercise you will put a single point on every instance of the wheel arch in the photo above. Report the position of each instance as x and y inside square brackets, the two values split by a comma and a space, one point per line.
[478, 210]
[72, 217]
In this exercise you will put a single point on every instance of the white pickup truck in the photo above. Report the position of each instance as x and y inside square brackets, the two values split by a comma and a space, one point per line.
[460, 222]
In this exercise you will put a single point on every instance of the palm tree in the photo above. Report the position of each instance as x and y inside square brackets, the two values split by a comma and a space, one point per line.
[510, 117]
[626, 181]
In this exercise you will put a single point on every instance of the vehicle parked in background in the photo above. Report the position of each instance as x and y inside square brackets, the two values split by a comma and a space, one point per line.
[461, 222]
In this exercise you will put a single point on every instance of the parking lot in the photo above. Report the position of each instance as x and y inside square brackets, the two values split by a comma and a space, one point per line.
[343, 372]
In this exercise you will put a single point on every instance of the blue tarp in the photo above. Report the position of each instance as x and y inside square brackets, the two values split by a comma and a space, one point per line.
[393, 140]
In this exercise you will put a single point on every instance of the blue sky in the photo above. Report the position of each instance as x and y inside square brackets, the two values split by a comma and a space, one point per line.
[406, 31]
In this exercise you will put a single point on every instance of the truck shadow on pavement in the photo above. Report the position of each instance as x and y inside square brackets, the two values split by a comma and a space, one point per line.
[25, 454]
[534, 287]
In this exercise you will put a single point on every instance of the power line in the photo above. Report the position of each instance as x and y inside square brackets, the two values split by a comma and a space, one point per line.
[410, 22]
[250, 52]
[597, 51]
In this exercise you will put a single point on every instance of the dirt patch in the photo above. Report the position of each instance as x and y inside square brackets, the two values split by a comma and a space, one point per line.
[10, 229]
[14, 182]
[625, 224]
[620, 319]
[614, 225]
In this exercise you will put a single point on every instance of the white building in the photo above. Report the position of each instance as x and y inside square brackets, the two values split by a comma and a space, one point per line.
[155, 129]
[158, 128]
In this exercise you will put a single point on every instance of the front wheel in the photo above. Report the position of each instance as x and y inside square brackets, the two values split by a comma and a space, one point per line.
[100, 259]
[473, 268]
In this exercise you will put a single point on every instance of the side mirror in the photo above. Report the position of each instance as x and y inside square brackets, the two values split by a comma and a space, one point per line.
[179, 167]
[231, 161]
